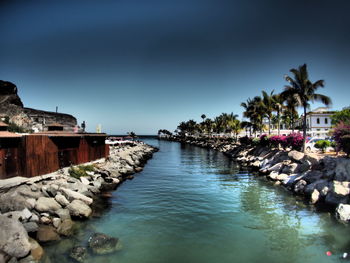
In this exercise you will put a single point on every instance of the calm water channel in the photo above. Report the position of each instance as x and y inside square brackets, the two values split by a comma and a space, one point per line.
[195, 205]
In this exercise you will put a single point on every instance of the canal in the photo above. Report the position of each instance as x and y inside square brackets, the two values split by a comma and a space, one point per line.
[196, 205]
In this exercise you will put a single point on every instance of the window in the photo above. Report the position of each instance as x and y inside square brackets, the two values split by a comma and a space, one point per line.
[326, 120]
[318, 120]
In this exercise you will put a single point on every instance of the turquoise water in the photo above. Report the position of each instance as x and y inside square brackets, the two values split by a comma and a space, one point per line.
[195, 205]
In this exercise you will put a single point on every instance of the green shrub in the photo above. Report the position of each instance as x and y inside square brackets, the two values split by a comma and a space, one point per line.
[80, 170]
[322, 144]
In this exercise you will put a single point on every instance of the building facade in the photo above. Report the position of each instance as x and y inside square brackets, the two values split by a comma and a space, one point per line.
[318, 122]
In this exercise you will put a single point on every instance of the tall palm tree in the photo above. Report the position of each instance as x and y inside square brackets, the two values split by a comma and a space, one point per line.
[203, 116]
[290, 114]
[278, 107]
[303, 91]
[268, 104]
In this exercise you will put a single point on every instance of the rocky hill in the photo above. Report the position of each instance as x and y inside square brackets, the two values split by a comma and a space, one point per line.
[11, 106]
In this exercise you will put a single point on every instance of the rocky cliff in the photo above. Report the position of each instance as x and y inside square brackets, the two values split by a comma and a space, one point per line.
[11, 106]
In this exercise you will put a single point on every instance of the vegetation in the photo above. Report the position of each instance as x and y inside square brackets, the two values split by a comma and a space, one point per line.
[80, 170]
[273, 108]
[132, 134]
[341, 134]
[303, 91]
[323, 145]
[341, 116]
[164, 132]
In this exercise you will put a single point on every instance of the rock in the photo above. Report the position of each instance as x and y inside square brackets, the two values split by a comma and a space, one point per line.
[296, 156]
[12, 201]
[56, 222]
[46, 233]
[140, 169]
[4, 257]
[299, 186]
[79, 209]
[290, 168]
[311, 158]
[341, 188]
[282, 177]
[61, 200]
[84, 180]
[31, 227]
[13, 238]
[78, 253]
[275, 168]
[45, 220]
[30, 203]
[102, 244]
[343, 212]
[36, 251]
[342, 169]
[22, 216]
[34, 218]
[334, 199]
[47, 204]
[303, 167]
[28, 259]
[66, 227]
[26, 191]
[63, 214]
[312, 176]
[315, 196]
[71, 195]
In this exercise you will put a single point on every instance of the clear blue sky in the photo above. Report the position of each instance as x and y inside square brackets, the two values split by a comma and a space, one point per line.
[147, 65]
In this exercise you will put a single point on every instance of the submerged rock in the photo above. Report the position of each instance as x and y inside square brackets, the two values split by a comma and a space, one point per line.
[47, 233]
[78, 253]
[103, 244]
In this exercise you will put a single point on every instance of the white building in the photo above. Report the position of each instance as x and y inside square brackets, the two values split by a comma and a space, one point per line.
[318, 122]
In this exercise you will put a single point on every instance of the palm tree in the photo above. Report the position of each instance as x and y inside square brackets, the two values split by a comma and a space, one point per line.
[278, 106]
[268, 104]
[203, 116]
[303, 91]
[290, 114]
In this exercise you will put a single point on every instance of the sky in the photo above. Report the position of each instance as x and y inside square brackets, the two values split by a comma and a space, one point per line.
[144, 65]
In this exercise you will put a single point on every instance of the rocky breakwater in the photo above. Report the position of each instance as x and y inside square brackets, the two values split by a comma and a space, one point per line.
[323, 180]
[44, 208]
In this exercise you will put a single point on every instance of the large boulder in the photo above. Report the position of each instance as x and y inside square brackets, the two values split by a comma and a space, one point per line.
[79, 209]
[296, 156]
[12, 201]
[342, 169]
[14, 240]
[102, 244]
[343, 212]
[47, 204]
[61, 200]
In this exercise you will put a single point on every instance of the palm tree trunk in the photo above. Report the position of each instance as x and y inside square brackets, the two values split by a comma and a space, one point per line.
[279, 122]
[269, 126]
[304, 129]
[292, 121]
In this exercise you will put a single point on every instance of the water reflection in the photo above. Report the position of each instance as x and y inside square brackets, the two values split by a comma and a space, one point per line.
[194, 205]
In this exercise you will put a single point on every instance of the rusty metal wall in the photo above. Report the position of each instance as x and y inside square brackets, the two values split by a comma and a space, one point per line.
[38, 155]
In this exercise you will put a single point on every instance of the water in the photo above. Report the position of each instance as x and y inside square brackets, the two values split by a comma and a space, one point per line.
[195, 205]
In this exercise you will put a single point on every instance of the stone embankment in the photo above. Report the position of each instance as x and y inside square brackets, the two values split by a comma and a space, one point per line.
[321, 179]
[43, 208]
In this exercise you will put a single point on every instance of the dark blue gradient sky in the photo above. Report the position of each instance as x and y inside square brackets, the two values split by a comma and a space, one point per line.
[146, 65]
